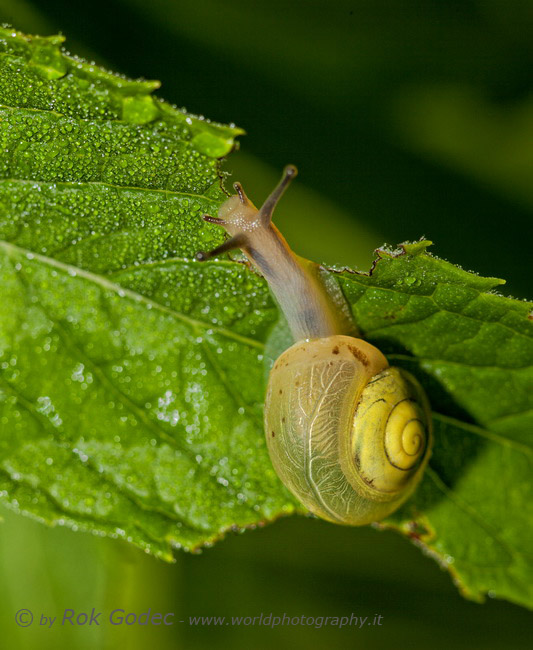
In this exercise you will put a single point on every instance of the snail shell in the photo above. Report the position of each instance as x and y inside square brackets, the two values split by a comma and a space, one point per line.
[347, 434]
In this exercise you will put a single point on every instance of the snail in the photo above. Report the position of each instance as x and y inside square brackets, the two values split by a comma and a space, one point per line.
[347, 434]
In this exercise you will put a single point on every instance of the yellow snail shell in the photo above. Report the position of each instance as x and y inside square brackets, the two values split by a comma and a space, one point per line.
[347, 434]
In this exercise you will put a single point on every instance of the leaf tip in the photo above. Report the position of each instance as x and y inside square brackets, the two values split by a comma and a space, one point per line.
[405, 248]
[417, 247]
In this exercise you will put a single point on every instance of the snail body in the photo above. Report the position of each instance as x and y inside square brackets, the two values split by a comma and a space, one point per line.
[347, 434]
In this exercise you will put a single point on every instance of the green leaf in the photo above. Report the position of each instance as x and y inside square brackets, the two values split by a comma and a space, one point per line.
[473, 351]
[132, 377]
[132, 417]
[123, 411]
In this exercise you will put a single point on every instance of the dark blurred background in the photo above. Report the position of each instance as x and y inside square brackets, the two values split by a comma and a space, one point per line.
[405, 119]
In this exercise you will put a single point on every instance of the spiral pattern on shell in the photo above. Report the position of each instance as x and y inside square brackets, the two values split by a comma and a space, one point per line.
[404, 450]
[390, 404]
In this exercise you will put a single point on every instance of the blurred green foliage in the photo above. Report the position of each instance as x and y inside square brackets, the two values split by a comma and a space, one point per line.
[420, 115]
